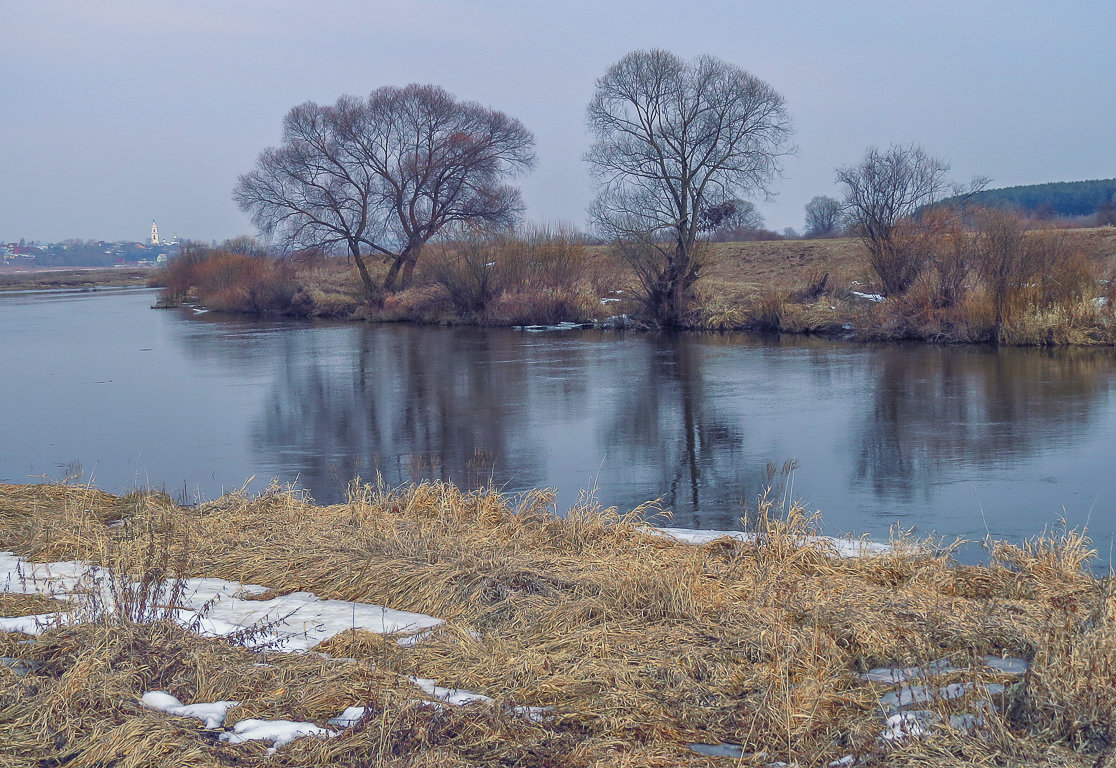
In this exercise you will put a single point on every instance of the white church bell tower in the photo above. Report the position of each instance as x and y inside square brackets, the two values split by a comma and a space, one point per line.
[154, 233]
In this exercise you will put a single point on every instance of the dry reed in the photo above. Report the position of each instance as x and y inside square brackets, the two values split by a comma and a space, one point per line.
[637, 645]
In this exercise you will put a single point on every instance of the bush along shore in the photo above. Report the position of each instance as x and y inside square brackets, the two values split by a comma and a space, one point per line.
[426, 626]
[1001, 284]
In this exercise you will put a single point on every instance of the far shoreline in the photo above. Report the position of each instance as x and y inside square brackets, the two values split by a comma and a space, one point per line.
[74, 278]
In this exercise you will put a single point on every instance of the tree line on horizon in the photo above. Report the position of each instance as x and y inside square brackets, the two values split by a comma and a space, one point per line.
[1056, 198]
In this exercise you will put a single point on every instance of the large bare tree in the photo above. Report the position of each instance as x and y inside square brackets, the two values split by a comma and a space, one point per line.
[381, 176]
[673, 139]
[884, 195]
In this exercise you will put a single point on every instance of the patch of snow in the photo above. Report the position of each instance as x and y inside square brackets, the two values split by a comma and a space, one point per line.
[455, 696]
[278, 732]
[21, 577]
[1011, 665]
[718, 750]
[921, 694]
[902, 725]
[905, 674]
[874, 297]
[349, 717]
[29, 625]
[966, 721]
[843, 547]
[212, 714]
[294, 622]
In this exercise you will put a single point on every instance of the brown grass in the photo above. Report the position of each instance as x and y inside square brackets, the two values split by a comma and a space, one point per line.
[73, 278]
[544, 277]
[640, 644]
[770, 286]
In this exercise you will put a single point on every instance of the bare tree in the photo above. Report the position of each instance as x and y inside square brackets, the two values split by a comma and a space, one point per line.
[381, 176]
[884, 194]
[673, 139]
[823, 216]
[310, 192]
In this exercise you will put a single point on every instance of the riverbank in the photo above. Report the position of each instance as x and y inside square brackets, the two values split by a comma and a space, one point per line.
[823, 287]
[582, 639]
[73, 278]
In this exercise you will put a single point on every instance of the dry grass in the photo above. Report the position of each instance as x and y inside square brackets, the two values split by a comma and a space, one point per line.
[640, 644]
[771, 286]
[795, 286]
[77, 278]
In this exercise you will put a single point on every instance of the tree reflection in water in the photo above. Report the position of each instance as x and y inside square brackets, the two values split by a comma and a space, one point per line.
[940, 410]
[693, 419]
[402, 404]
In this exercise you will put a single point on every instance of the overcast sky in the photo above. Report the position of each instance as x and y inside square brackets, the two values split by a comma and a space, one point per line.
[116, 112]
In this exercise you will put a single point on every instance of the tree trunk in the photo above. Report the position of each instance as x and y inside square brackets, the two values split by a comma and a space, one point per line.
[373, 293]
[412, 256]
[403, 268]
[390, 282]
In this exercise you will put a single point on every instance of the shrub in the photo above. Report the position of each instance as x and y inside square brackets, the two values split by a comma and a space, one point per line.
[230, 281]
[465, 268]
[534, 276]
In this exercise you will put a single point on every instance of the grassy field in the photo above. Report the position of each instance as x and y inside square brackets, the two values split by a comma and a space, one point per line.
[629, 646]
[75, 278]
[741, 269]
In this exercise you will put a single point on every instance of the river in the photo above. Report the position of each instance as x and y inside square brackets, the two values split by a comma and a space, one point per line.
[954, 441]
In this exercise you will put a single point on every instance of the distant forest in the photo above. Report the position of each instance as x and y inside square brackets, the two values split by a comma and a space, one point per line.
[1057, 198]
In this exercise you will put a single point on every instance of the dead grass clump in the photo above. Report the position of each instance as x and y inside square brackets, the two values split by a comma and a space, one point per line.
[771, 313]
[81, 705]
[17, 604]
[1069, 694]
[1079, 324]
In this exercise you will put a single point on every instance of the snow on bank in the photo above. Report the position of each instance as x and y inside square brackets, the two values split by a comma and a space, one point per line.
[843, 547]
[283, 732]
[279, 732]
[873, 297]
[455, 696]
[212, 713]
[215, 607]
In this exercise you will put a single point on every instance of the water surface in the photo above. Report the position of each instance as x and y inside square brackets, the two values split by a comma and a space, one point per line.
[961, 441]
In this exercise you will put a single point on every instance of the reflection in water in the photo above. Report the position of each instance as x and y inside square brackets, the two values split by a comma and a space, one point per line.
[479, 407]
[665, 421]
[941, 411]
[955, 440]
[401, 403]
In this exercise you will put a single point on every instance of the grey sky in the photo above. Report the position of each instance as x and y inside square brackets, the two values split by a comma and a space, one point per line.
[116, 112]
